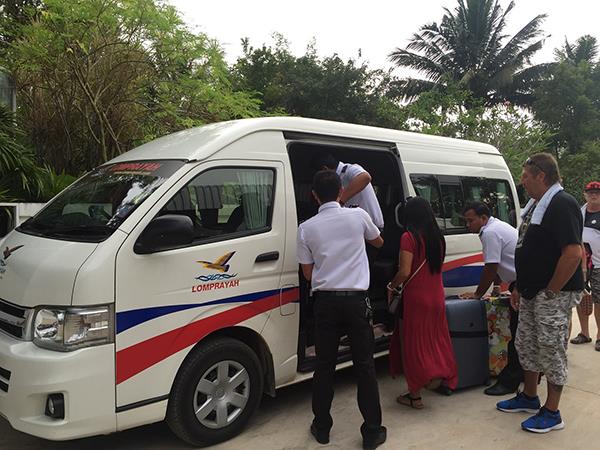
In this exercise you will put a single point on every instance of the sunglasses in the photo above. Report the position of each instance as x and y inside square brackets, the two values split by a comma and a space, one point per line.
[531, 162]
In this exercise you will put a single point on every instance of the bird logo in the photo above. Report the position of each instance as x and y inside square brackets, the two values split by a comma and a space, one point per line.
[9, 251]
[220, 264]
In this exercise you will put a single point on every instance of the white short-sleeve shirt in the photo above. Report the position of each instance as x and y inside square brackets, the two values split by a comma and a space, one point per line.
[499, 240]
[591, 236]
[334, 241]
[365, 199]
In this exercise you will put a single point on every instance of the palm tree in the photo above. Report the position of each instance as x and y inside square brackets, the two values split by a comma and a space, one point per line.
[584, 49]
[470, 47]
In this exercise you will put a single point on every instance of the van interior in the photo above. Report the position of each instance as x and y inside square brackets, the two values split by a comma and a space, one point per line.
[382, 164]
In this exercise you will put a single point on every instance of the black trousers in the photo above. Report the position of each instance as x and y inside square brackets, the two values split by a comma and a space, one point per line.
[334, 317]
[512, 375]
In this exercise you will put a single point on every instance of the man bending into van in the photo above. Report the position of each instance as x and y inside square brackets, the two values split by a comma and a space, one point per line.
[331, 252]
[498, 240]
[356, 182]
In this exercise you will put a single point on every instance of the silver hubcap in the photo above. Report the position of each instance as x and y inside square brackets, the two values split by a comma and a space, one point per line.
[221, 394]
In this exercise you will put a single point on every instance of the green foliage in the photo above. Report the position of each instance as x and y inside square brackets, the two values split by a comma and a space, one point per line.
[14, 14]
[585, 49]
[469, 47]
[97, 77]
[511, 130]
[579, 169]
[308, 86]
[54, 183]
[20, 176]
[569, 102]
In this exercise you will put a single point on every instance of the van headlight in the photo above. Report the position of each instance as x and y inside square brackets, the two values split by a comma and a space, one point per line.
[67, 329]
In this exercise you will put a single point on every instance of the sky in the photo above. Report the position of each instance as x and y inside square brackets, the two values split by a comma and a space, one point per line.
[372, 27]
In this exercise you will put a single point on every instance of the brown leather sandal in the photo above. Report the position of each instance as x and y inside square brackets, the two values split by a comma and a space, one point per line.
[580, 339]
[409, 401]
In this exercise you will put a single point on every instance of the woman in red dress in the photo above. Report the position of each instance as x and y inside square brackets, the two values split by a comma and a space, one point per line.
[424, 351]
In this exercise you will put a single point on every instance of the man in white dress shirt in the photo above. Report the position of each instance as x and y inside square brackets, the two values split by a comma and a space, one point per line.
[498, 240]
[356, 183]
[331, 252]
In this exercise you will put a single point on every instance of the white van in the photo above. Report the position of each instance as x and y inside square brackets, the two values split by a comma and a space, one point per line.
[164, 284]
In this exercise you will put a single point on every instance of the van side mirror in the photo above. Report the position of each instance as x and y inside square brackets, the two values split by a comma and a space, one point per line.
[165, 233]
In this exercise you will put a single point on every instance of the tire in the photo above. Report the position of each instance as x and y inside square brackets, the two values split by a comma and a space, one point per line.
[221, 379]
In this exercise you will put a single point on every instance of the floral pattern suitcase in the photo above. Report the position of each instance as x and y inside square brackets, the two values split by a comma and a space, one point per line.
[498, 318]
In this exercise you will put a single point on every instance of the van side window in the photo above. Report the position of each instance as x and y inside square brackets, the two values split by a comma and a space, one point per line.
[226, 202]
[453, 203]
[494, 193]
[427, 186]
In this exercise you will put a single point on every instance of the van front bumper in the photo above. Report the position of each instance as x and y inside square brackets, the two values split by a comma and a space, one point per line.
[85, 377]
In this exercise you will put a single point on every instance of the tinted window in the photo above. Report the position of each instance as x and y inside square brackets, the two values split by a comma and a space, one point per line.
[426, 186]
[226, 202]
[448, 195]
[494, 193]
[453, 203]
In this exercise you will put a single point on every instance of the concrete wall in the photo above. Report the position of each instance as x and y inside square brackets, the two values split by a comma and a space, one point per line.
[14, 214]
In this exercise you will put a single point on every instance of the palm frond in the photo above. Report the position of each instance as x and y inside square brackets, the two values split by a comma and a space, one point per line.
[429, 68]
[410, 89]
[530, 31]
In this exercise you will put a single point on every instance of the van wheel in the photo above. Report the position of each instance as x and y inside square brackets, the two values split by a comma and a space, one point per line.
[216, 391]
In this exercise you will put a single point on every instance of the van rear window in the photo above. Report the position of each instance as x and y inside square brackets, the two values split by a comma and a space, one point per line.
[93, 207]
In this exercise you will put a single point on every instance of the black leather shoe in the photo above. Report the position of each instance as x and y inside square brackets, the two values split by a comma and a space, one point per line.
[499, 389]
[372, 441]
[322, 437]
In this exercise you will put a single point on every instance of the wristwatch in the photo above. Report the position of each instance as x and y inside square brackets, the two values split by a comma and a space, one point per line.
[549, 293]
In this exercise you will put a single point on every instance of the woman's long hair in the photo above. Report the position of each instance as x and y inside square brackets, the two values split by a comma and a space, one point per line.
[421, 223]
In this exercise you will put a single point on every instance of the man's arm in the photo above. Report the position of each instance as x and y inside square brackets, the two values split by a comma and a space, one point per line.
[371, 233]
[358, 183]
[377, 242]
[307, 270]
[568, 262]
[488, 275]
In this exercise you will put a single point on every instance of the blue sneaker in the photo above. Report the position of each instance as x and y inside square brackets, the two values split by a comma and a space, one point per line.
[519, 403]
[543, 422]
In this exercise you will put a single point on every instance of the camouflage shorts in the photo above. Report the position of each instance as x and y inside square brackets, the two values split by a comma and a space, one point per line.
[595, 283]
[543, 334]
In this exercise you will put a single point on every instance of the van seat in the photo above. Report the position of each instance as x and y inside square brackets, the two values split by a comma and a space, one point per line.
[209, 202]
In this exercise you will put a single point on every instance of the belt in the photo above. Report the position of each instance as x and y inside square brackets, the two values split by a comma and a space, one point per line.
[340, 293]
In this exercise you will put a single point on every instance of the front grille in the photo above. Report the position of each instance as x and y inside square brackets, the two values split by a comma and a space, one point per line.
[4, 379]
[13, 319]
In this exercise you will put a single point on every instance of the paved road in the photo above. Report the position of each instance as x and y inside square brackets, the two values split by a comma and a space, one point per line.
[292, 402]
[465, 420]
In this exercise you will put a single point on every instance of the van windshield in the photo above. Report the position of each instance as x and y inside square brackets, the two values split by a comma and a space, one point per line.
[93, 207]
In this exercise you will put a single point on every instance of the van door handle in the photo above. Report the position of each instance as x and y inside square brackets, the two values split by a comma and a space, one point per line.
[269, 256]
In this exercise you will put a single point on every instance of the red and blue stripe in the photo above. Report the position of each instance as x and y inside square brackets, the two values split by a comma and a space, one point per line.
[134, 359]
[458, 273]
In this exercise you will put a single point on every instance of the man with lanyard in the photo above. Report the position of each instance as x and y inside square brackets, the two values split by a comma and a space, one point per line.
[591, 239]
[356, 182]
[498, 240]
[331, 252]
[549, 283]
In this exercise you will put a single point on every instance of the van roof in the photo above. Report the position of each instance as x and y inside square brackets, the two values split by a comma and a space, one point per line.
[199, 143]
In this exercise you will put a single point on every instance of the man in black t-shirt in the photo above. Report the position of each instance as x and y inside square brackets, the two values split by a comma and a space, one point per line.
[549, 283]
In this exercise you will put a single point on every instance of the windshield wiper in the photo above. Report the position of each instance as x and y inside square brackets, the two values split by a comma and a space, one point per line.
[82, 230]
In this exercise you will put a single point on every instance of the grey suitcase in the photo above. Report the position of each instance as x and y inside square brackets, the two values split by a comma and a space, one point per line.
[467, 322]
